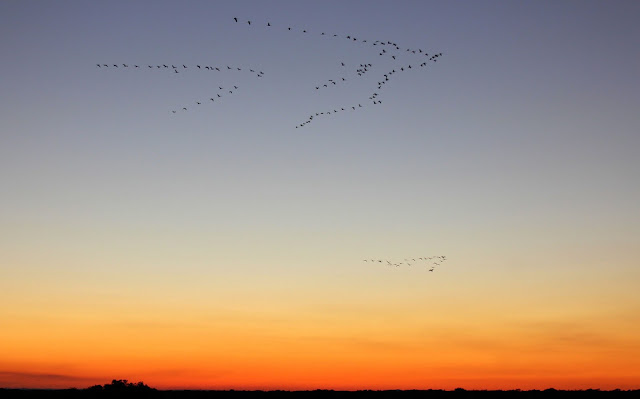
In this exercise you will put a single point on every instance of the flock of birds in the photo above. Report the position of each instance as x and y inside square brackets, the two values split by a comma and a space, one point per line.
[388, 49]
[221, 92]
[430, 261]
[384, 48]
[177, 69]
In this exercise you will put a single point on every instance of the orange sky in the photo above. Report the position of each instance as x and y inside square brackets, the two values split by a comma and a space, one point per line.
[277, 345]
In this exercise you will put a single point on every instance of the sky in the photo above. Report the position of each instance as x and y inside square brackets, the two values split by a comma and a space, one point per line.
[222, 247]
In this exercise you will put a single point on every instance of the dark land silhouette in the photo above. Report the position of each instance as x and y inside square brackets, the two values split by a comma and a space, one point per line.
[124, 388]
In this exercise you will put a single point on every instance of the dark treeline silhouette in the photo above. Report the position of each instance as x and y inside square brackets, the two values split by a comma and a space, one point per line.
[123, 388]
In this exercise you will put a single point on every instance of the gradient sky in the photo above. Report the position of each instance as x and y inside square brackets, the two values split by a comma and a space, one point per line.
[222, 248]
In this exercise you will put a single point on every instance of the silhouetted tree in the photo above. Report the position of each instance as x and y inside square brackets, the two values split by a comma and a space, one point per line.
[122, 388]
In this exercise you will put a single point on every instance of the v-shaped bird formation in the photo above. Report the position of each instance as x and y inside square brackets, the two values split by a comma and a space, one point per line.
[182, 68]
[385, 48]
[430, 262]
[405, 58]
